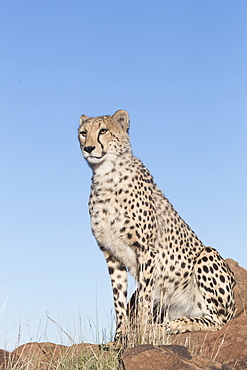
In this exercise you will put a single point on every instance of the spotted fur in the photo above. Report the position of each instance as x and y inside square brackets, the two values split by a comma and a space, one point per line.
[139, 231]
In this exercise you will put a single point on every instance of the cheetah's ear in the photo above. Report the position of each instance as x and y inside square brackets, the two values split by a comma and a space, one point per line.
[122, 117]
[83, 119]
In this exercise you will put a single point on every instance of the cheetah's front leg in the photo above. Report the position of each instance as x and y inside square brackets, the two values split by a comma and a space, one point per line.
[146, 288]
[119, 280]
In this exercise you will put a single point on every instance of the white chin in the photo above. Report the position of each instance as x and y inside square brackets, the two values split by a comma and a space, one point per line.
[95, 160]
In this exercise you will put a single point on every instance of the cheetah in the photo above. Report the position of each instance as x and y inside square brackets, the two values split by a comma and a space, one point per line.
[139, 231]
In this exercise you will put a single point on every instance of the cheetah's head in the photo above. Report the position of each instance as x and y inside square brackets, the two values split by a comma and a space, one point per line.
[104, 138]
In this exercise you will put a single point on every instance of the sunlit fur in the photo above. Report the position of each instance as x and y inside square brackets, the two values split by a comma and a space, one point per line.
[138, 230]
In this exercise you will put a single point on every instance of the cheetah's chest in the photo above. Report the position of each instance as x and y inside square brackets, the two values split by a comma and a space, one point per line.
[108, 217]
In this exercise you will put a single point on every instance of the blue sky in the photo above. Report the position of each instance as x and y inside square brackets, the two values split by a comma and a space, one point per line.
[180, 69]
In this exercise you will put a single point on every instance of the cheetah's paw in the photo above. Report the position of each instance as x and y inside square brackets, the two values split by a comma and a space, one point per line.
[179, 326]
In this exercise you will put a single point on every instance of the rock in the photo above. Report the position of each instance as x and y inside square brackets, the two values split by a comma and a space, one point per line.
[39, 355]
[4, 359]
[47, 356]
[150, 357]
[163, 357]
[7, 360]
[228, 345]
[240, 291]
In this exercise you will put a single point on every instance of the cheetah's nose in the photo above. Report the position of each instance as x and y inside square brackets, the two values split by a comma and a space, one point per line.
[89, 149]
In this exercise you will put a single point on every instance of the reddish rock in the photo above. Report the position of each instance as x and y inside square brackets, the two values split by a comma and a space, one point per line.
[240, 291]
[39, 356]
[8, 360]
[4, 359]
[173, 357]
[228, 345]
[149, 357]
[47, 356]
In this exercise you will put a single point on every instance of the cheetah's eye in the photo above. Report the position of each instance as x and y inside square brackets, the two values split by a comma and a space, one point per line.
[83, 133]
[103, 131]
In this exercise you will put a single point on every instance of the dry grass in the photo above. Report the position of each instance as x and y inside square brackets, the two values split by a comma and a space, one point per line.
[38, 356]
